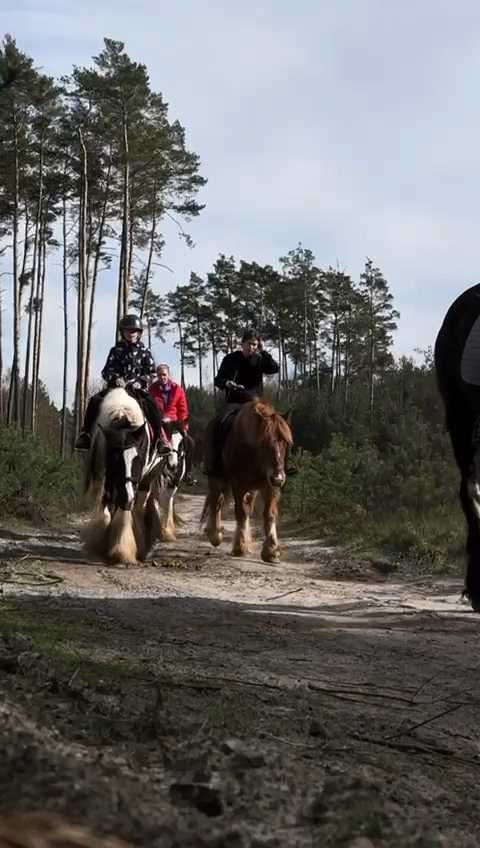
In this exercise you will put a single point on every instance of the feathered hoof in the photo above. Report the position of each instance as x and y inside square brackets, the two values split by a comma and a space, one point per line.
[117, 560]
[270, 554]
[215, 538]
[168, 535]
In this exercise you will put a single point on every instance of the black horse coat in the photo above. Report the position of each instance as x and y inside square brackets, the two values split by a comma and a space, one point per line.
[457, 363]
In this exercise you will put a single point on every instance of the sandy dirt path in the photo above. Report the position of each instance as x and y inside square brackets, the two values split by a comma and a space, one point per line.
[359, 693]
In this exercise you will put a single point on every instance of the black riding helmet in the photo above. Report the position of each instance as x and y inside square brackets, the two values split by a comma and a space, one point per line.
[131, 322]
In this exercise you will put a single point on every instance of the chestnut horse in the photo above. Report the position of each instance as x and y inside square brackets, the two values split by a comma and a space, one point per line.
[253, 460]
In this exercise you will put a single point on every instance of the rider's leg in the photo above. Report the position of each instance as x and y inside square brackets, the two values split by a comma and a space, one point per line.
[153, 416]
[212, 461]
[85, 436]
[189, 447]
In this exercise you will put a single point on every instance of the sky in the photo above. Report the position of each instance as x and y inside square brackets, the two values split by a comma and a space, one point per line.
[352, 126]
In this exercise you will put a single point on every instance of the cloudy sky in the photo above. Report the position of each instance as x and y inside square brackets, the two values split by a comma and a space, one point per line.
[352, 126]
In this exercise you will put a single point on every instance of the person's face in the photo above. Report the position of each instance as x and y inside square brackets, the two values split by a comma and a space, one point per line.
[163, 375]
[249, 347]
[132, 336]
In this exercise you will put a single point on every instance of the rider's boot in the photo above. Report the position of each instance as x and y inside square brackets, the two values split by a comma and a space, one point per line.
[84, 441]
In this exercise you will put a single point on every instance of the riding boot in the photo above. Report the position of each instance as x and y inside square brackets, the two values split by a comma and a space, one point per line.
[84, 438]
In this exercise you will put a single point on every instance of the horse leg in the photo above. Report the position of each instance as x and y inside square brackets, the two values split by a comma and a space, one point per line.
[470, 501]
[270, 548]
[122, 541]
[167, 521]
[213, 511]
[242, 541]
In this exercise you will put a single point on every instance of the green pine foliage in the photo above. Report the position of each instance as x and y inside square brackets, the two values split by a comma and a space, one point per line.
[36, 484]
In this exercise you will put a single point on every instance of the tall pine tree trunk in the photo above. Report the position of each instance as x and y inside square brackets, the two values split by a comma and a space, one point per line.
[214, 359]
[2, 411]
[28, 351]
[38, 340]
[182, 354]
[63, 432]
[93, 291]
[153, 230]
[26, 248]
[371, 364]
[332, 355]
[14, 396]
[200, 353]
[123, 281]
[82, 289]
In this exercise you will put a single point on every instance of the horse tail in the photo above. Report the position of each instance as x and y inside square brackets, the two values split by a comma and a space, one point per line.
[225, 494]
[205, 511]
[94, 468]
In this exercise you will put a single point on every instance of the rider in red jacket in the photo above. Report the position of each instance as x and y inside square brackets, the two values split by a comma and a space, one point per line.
[169, 396]
[172, 405]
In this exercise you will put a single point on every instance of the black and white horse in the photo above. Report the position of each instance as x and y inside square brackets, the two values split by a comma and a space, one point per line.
[457, 362]
[130, 482]
[165, 483]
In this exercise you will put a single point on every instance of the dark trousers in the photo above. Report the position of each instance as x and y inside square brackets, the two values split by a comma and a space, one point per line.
[189, 447]
[215, 436]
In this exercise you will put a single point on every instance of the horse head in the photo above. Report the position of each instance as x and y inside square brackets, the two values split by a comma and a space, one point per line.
[127, 444]
[275, 439]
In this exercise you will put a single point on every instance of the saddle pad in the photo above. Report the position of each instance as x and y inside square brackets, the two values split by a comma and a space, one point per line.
[470, 363]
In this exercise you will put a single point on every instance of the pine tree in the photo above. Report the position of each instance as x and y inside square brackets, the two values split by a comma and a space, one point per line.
[379, 318]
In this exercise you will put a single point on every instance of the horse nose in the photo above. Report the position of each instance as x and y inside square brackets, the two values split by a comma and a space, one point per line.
[278, 479]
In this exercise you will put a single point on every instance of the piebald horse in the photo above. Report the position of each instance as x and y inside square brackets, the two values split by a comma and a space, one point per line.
[124, 475]
[253, 460]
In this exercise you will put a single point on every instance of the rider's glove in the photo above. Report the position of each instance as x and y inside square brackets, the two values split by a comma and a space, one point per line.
[166, 420]
[229, 384]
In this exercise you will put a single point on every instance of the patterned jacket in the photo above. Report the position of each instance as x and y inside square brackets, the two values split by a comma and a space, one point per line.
[129, 361]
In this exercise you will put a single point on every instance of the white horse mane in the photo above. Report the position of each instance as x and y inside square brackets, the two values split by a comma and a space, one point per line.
[118, 406]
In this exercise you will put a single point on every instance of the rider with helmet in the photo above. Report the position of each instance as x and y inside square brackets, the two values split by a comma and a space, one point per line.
[130, 362]
[241, 377]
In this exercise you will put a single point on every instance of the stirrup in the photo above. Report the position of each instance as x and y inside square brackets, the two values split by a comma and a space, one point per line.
[163, 449]
[83, 442]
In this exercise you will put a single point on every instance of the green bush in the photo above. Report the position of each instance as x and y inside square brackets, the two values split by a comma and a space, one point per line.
[35, 483]
[394, 500]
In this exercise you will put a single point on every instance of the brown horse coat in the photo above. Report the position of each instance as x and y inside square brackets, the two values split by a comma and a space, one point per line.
[254, 457]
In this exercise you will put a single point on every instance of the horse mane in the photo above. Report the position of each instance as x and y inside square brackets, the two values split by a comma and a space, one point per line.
[275, 426]
[120, 410]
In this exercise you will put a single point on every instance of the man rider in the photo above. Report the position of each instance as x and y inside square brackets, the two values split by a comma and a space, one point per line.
[241, 377]
[132, 362]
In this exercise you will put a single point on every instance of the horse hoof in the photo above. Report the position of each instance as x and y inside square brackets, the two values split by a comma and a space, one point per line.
[215, 539]
[168, 536]
[270, 556]
[238, 551]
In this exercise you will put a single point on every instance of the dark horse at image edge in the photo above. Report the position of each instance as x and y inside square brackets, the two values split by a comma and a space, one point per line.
[457, 363]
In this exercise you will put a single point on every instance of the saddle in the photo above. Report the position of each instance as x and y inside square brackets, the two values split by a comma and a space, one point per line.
[226, 420]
